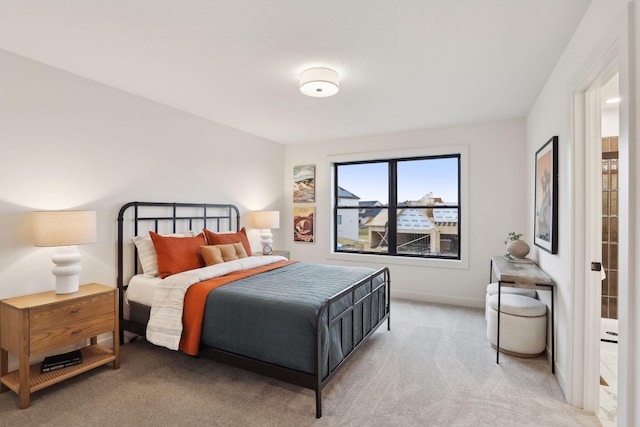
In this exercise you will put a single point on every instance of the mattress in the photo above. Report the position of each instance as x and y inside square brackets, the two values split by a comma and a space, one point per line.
[272, 316]
[142, 289]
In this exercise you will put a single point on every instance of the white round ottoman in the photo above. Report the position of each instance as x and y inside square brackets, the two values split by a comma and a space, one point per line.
[492, 289]
[523, 324]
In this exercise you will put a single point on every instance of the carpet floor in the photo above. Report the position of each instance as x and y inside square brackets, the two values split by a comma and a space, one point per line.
[434, 368]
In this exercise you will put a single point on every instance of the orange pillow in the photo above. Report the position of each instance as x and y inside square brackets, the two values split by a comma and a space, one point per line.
[226, 238]
[217, 254]
[177, 254]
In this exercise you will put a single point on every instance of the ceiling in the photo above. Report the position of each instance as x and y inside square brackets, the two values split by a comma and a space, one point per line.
[404, 65]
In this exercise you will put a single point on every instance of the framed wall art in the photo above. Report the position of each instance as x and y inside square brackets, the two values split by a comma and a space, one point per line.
[303, 224]
[546, 197]
[304, 184]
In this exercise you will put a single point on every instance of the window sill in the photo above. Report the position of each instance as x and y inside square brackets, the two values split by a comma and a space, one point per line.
[397, 260]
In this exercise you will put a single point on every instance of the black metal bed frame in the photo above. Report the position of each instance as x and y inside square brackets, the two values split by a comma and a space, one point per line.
[378, 314]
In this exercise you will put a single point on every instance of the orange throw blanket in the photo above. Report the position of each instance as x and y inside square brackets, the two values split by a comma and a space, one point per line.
[196, 298]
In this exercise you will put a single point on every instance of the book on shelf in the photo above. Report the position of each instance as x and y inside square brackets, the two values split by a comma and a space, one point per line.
[59, 361]
[517, 260]
[44, 369]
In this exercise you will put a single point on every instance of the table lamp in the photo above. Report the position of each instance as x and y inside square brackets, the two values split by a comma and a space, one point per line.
[266, 220]
[65, 229]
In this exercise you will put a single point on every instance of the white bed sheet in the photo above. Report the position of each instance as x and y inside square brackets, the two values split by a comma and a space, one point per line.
[142, 289]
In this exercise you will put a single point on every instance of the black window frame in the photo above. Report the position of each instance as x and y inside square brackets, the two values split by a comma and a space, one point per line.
[393, 207]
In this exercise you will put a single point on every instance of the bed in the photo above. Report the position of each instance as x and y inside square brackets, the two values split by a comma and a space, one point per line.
[294, 321]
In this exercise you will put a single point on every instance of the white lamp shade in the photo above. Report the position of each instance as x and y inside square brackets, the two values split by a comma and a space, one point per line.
[266, 219]
[319, 82]
[67, 229]
[64, 228]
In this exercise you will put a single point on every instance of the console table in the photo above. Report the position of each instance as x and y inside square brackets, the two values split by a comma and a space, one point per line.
[522, 275]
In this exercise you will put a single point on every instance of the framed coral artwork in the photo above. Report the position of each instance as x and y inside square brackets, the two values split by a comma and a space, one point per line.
[303, 224]
[546, 197]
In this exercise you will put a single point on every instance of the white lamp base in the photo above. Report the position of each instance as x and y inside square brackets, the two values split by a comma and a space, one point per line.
[67, 269]
[266, 238]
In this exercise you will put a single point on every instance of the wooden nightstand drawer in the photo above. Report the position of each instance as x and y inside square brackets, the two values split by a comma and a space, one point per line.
[68, 333]
[43, 318]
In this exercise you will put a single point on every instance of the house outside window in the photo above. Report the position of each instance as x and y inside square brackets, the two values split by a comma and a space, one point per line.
[401, 207]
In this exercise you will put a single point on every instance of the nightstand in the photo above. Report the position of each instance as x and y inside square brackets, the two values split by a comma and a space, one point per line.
[281, 253]
[34, 324]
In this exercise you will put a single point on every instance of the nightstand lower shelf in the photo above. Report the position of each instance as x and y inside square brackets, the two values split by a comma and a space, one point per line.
[92, 357]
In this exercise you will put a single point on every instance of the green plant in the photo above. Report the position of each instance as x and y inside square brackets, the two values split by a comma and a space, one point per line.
[513, 236]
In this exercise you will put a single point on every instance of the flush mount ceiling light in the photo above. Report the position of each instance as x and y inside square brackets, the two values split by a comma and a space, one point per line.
[319, 82]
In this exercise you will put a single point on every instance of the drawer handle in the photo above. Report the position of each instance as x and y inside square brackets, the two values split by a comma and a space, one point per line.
[76, 311]
[76, 332]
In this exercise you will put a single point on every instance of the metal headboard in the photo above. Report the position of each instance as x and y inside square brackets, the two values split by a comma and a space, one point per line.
[138, 218]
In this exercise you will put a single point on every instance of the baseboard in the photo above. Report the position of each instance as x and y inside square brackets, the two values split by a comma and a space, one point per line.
[439, 299]
[106, 340]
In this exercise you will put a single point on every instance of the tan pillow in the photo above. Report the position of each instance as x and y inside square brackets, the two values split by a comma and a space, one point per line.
[226, 238]
[216, 254]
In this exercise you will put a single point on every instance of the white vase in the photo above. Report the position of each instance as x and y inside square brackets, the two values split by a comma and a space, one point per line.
[518, 249]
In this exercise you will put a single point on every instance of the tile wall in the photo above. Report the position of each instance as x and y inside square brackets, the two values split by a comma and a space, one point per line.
[610, 226]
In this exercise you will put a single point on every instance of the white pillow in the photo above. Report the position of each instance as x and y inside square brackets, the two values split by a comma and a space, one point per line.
[147, 254]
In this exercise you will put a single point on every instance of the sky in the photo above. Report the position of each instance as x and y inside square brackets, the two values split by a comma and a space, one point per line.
[415, 179]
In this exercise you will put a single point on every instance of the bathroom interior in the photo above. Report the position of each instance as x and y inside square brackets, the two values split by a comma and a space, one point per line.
[609, 311]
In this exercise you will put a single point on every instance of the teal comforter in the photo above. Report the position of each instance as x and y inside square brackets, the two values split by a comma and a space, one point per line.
[272, 316]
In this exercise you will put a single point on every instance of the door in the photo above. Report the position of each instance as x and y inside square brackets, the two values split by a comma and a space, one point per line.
[600, 227]
[588, 234]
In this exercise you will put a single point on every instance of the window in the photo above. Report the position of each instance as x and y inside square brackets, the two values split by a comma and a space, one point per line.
[401, 207]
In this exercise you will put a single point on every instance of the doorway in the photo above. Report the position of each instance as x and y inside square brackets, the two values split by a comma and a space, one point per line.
[609, 183]
[593, 119]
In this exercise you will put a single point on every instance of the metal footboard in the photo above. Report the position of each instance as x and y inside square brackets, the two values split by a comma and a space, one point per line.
[377, 295]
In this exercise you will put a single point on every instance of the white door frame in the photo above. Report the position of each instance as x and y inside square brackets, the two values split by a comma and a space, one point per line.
[585, 336]
[588, 230]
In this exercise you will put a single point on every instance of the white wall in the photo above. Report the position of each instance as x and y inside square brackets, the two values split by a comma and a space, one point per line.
[68, 142]
[610, 123]
[631, 384]
[494, 186]
[605, 23]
